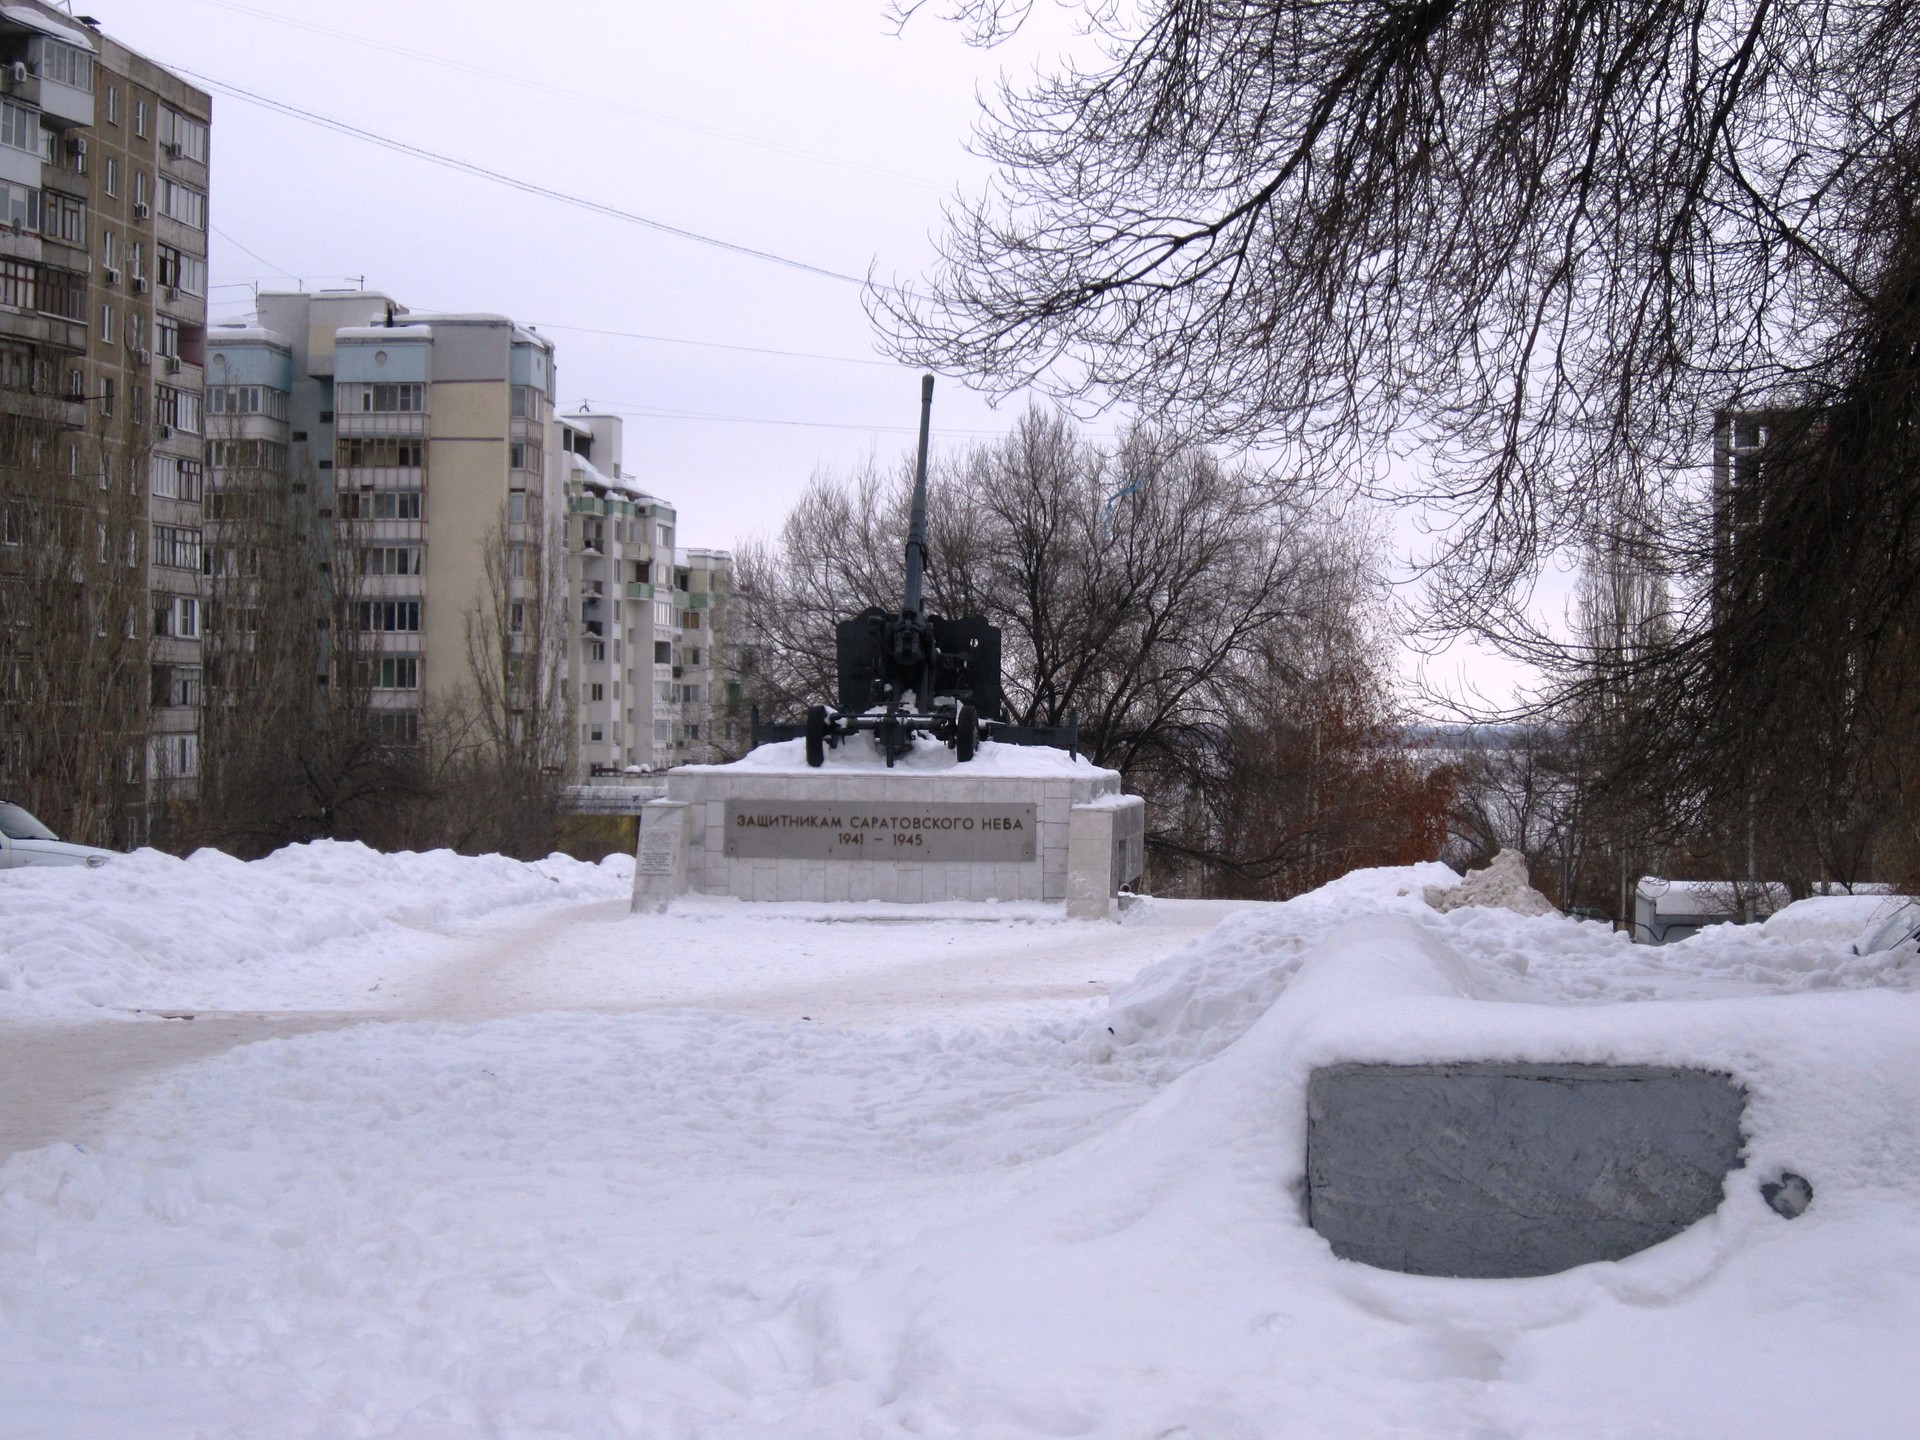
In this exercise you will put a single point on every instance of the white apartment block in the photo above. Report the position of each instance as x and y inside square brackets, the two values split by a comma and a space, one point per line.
[417, 441]
[652, 616]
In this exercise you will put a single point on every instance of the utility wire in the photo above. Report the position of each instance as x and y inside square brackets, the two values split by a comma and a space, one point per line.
[654, 412]
[527, 83]
[468, 167]
[254, 253]
[718, 345]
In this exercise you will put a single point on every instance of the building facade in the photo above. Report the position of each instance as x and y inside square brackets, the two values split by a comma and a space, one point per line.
[103, 322]
[646, 655]
[420, 448]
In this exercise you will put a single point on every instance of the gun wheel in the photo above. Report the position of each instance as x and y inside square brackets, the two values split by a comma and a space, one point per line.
[966, 733]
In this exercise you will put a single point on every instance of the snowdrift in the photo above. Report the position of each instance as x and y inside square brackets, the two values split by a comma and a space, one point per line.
[151, 929]
[697, 1225]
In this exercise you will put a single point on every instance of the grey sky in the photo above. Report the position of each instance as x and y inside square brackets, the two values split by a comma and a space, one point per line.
[848, 139]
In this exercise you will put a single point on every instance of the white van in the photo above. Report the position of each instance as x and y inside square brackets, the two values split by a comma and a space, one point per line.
[25, 841]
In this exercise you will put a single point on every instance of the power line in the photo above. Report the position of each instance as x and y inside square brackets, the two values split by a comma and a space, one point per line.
[717, 345]
[255, 254]
[468, 167]
[527, 83]
[653, 412]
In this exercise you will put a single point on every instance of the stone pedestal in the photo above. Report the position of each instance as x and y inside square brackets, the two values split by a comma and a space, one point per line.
[928, 830]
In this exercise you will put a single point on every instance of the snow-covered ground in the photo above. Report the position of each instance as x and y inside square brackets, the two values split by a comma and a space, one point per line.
[740, 1171]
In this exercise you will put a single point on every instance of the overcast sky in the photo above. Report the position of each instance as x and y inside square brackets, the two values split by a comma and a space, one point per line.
[809, 130]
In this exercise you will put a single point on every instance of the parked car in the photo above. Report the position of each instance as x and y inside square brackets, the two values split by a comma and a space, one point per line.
[25, 841]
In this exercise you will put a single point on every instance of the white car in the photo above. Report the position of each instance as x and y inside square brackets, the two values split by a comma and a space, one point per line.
[25, 841]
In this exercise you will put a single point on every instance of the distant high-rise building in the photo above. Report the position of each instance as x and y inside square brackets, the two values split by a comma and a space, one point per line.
[652, 616]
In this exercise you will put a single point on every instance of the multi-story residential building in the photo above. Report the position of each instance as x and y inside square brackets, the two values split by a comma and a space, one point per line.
[646, 655]
[419, 445]
[103, 280]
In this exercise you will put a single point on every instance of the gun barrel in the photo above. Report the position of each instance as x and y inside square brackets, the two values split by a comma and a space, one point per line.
[914, 603]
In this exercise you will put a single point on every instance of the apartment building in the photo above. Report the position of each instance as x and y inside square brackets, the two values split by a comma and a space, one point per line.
[652, 616]
[419, 446]
[103, 280]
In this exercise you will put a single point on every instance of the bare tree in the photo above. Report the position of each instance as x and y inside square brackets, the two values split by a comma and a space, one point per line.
[1544, 239]
[1192, 615]
[73, 628]
[521, 714]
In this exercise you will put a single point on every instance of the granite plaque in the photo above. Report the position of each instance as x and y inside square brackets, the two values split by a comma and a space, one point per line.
[888, 830]
[1492, 1169]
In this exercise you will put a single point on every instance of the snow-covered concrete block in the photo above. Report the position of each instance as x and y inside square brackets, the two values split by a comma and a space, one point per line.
[1492, 1169]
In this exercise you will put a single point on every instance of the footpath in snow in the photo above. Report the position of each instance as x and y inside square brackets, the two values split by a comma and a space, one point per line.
[644, 1198]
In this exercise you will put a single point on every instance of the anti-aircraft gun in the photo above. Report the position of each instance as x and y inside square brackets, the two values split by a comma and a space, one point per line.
[910, 673]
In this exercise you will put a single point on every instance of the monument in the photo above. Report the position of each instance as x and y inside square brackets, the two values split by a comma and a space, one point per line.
[914, 788]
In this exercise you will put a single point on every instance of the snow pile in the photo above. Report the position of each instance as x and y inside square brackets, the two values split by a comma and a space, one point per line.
[128, 935]
[1503, 883]
[861, 754]
[702, 1225]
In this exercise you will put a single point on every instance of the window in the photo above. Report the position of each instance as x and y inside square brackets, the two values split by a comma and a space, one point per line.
[166, 336]
[596, 649]
[663, 652]
[381, 505]
[247, 455]
[62, 293]
[139, 189]
[140, 113]
[19, 127]
[390, 672]
[517, 510]
[178, 408]
[113, 104]
[111, 182]
[181, 271]
[524, 403]
[392, 399]
[177, 479]
[182, 136]
[689, 619]
[524, 455]
[61, 63]
[173, 757]
[109, 325]
[599, 692]
[381, 453]
[389, 616]
[16, 365]
[18, 287]
[9, 524]
[390, 560]
[663, 536]
[516, 617]
[64, 219]
[400, 726]
[106, 395]
[176, 546]
[20, 206]
[177, 616]
[245, 399]
[181, 202]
